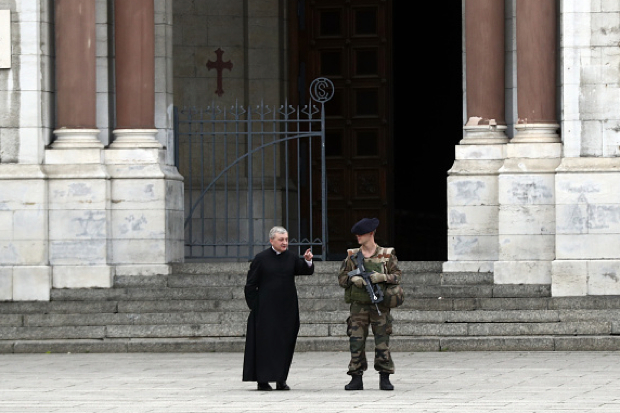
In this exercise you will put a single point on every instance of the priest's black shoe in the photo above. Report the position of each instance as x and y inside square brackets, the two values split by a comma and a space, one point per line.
[264, 386]
[384, 382]
[356, 383]
[281, 385]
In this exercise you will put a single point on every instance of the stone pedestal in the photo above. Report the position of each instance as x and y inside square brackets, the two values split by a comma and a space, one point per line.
[473, 205]
[24, 270]
[146, 207]
[588, 227]
[78, 201]
[527, 213]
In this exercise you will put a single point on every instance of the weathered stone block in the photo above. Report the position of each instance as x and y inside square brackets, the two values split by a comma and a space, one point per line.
[6, 225]
[139, 251]
[526, 247]
[31, 283]
[6, 283]
[78, 193]
[587, 187]
[522, 272]
[527, 219]
[604, 277]
[30, 224]
[137, 194]
[471, 220]
[472, 190]
[133, 224]
[22, 194]
[526, 189]
[78, 224]
[82, 277]
[569, 278]
[587, 246]
[23, 252]
[472, 247]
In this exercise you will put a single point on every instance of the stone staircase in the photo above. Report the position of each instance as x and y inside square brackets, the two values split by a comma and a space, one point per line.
[200, 307]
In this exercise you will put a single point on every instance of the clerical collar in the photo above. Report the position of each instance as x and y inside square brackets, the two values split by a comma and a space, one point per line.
[276, 251]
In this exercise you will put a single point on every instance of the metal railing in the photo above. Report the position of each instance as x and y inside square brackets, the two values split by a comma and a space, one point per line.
[249, 169]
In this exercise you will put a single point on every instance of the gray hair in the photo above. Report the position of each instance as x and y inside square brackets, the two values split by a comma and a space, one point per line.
[276, 230]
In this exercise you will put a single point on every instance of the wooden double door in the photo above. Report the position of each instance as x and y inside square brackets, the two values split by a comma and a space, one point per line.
[350, 42]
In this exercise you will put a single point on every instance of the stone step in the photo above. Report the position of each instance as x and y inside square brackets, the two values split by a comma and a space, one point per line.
[237, 344]
[233, 325]
[400, 316]
[201, 307]
[238, 280]
[308, 330]
[327, 267]
[461, 305]
[304, 291]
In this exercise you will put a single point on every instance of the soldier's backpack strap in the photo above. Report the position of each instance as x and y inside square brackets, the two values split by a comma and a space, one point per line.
[350, 253]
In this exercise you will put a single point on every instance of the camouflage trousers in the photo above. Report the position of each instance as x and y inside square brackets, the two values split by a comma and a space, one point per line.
[363, 315]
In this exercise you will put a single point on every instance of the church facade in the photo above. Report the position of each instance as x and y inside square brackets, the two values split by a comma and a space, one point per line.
[89, 188]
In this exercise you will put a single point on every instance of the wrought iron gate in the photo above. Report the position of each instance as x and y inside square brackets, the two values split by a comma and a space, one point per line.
[249, 169]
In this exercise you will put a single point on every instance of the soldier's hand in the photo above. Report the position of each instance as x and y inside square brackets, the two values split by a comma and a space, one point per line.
[358, 281]
[376, 277]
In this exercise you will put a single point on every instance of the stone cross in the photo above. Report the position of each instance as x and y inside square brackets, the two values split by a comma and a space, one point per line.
[219, 65]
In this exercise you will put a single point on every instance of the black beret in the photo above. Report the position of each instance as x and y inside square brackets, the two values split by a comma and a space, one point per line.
[364, 226]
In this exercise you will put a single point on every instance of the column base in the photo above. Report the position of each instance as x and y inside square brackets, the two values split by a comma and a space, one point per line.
[135, 138]
[536, 133]
[484, 135]
[76, 139]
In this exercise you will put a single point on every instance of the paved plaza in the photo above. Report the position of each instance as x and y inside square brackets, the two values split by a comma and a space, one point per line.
[463, 382]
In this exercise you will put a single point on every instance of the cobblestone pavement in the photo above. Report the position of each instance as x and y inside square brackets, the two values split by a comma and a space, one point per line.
[463, 382]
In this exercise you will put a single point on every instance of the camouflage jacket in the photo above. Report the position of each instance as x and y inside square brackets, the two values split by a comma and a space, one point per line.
[383, 261]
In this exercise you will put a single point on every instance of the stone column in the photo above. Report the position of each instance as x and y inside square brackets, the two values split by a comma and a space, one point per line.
[536, 71]
[527, 178]
[485, 67]
[147, 194]
[134, 31]
[78, 185]
[472, 181]
[75, 75]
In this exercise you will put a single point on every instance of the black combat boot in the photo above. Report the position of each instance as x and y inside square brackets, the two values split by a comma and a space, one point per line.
[356, 383]
[384, 382]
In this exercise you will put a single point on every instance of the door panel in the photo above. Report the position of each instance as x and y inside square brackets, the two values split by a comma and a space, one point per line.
[349, 42]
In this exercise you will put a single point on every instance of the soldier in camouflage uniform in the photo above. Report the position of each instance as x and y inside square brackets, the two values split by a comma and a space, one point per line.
[384, 266]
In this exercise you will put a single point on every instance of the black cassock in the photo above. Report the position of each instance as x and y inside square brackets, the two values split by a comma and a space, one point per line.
[273, 323]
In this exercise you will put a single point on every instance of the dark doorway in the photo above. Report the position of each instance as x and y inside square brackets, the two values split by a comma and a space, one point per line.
[428, 115]
[395, 117]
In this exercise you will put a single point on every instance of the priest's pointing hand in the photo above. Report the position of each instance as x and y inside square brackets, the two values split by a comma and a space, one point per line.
[308, 255]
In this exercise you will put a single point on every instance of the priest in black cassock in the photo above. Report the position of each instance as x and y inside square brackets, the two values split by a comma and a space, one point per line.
[273, 322]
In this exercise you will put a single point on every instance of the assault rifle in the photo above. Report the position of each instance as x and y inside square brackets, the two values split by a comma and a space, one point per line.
[374, 291]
